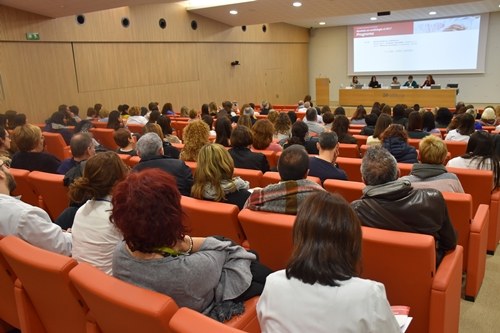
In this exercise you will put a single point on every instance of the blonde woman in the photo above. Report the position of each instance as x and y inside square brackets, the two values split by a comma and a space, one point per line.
[195, 135]
[213, 178]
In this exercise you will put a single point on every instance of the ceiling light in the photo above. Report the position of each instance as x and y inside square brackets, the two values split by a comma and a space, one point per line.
[373, 18]
[233, 12]
[322, 23]
[432, 13]
[297, 4]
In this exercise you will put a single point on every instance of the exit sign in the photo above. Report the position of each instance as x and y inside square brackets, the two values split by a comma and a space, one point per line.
[32, 36]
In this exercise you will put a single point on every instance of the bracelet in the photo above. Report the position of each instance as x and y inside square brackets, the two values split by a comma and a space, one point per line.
[190, 245]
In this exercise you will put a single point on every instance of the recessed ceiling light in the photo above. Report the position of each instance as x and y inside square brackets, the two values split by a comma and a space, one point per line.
[432, 13]
[233, 12]
[322, 23]
[297, 4]
[373, 18]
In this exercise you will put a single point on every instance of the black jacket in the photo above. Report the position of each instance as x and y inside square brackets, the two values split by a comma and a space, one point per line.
[246, 159]
[176, 168]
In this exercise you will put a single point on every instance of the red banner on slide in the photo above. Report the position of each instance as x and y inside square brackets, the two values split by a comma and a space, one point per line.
[385, 29]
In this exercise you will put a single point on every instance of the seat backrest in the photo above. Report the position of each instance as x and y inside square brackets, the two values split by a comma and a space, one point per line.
[179, 127]
[252, 176]
[456, 148]
[192, 165]
[270, 235]
[348, 189]
[133, 161]
[405, 263]
[207, 218]
[8, 310]
[414, 142]
[404, 169]
[135, 128]
[55, 144]
[273, 177]
[349, 150]
[51, 187]
[477, 183]
[460, 212]
[100, 124]
[117, 306]
[44, 281]
[124, 158]
[361, 139]
[270, 156]
[24, 187]
[105, 137]
[186, 320]
[352, 166]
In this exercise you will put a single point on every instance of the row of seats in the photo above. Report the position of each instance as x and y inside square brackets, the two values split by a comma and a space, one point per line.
[46, 292]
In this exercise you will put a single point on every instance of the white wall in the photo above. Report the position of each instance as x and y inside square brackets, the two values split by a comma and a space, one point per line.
[328, 58]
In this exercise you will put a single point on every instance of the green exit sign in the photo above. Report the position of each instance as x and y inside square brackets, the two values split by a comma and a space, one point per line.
[32, 36]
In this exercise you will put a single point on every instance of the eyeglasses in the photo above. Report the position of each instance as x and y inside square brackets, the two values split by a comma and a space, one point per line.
[4, 163]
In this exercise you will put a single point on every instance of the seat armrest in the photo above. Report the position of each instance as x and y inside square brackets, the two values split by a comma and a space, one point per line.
[247, 321]
[444, 312]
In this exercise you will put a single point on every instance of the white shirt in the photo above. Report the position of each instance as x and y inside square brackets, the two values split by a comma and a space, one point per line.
[356, 306]
[33, 225]
[453, 135]
[94, 236]
[137, 120]
[469, 163]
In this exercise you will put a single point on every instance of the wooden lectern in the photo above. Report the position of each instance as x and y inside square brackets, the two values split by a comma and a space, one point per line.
[322, 91]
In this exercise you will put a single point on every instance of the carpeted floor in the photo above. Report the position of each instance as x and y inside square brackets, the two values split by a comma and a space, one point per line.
[483, 315]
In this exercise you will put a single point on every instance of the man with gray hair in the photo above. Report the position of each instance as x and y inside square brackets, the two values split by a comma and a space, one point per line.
[323, 165]
[311, 121]
[150, 150]
[389, 203]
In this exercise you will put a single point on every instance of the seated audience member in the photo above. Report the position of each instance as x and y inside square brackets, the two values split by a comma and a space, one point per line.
[30, 143]
[430, 172]
[429, 123]
[273, 115]
[150, 150]
[300, 137]
[358, 118]
[135, 117]
[488, 117]
[223, 131]
[323, 273]
[389, 203]
[395, 140]
[480, 155]
[370, 120]
[56, 124]
[20, 119]
[292, 116]
[429, 81]
[27, 222]
[477, 124]
[208, 275]
[165, 124]
[168, 150]
[94, 236]
[354, 81]
[323, 166]
[311, 120]
[328, 118]
[383, 121]
[262, 133]
[415, 126]
[82, 147]
[373, 82]
[282, 127]
[399, 116]
[339, 111]
[167, 109]
[465, 127]
[214, 179]
[243, 157]
[286, 196]
[195, 136]
[411, 83]
[443, 117]
[103, 115]
[5, 155]
[193, 115]
[184, 112]
[244, 120]
[115, 120]
[341, 127]
[265, 106]
[126, 141]
[301, 107]
[10, 116]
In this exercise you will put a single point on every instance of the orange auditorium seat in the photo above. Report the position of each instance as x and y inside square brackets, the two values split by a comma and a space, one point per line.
[208, 218]
[352, 166]
[135, 128]
[24, 188]
[105, 137]
[179, 127]
[348, 189]
[186, 320]
[404, 169]
[406, 264]
[252, 176]
[118, 306]
[52, 190]
[414, 142]
[125, 158]
[133, 161]
[45, 300]
[8, 310]
[361, 139]
[55, 145]
[270, 235]
[349, 150]
[100, 124]
[456, 148]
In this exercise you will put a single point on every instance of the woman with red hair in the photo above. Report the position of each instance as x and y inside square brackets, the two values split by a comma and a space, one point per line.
[205, 274]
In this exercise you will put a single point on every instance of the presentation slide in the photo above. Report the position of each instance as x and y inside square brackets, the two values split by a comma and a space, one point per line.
[444, 45]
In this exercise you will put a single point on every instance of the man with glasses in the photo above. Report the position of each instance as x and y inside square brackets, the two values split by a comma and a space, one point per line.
[27, 222]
